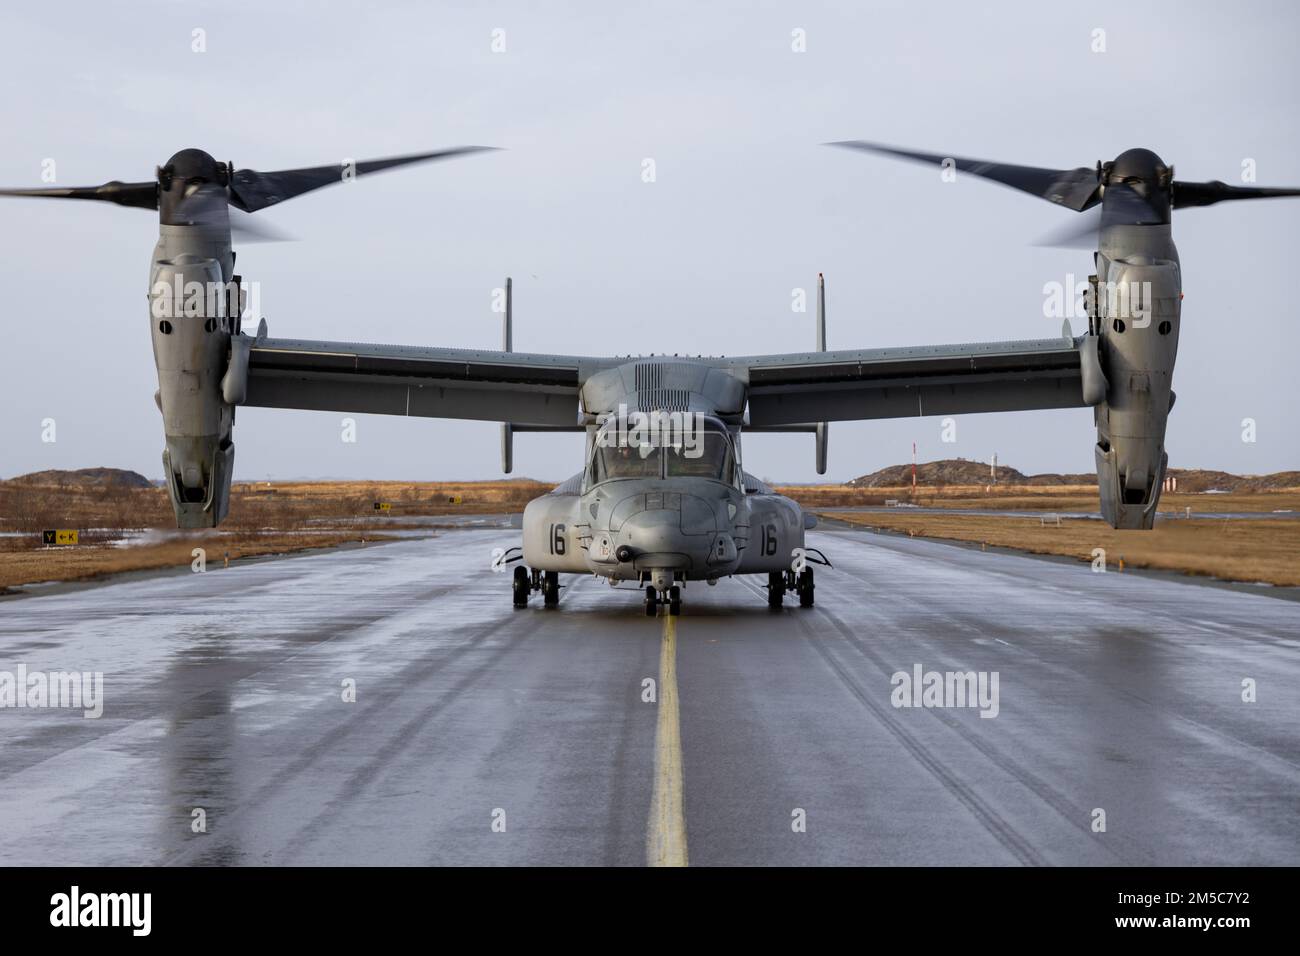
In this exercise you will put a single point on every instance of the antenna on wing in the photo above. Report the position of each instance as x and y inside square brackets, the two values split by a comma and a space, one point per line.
[823, 428]
[821, 313]
[507, 327]
[507, 345]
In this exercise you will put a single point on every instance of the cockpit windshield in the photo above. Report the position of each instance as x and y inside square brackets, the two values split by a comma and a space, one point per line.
[699, 448]
[708, 456]
[625, 461]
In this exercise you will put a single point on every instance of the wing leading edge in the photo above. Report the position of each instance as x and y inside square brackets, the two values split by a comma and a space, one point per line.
[905, 382]
[519, 387]
[543, 392]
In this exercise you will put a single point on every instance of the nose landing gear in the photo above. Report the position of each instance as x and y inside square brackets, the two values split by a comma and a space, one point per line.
[671, 596]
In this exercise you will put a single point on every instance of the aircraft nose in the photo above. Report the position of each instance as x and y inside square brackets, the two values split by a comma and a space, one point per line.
[665, 531]
[655, 539]
[655, 532]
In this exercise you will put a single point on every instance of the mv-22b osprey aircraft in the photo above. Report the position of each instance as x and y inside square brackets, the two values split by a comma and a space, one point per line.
[674, 505]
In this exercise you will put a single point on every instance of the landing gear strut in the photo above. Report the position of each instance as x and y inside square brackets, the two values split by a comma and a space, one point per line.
[525, 582]
[671, 596]
[805, 587]
[778, 582]
[521, 586]
[775, 588]
[551, 589]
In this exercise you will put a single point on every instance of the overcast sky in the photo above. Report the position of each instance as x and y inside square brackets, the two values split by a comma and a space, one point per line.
[746, 205]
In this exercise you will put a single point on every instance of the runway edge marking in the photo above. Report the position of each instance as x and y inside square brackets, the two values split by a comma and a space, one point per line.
[666, 831]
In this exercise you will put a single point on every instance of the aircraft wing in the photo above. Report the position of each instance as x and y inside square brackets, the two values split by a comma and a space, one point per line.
[524, 388]
[796, 389]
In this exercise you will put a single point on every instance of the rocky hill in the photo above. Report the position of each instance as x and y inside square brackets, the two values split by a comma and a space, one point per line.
[959, 471]
[949, 471]
[86, 478]
[1199, 480]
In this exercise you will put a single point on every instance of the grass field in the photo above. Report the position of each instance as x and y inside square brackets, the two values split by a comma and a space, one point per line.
[279, 517]
[1248, 549]
[264, 519]
[254, 505]
[98, 558]
[1031, 498]
[1266, 549]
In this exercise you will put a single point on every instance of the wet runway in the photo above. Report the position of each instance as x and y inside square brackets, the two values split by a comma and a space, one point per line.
[484, 734]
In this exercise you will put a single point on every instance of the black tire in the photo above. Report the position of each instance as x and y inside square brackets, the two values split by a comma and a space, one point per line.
[651, 601]
[674, 600]
[775, 589]
[521, 586]
[806, 587]
[551, 589]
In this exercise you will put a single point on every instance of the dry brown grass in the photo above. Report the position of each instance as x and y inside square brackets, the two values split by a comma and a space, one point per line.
[1247, 549]
[257, 505]
[96, 559]
[265, 519]
[1031, 498]
[1262, 550]
[347, 499]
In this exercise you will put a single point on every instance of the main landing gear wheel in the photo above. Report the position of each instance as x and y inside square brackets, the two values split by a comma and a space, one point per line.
[521, 586]
[805, 587]
[775, 588]
[651, 600]
[674, 600]
[551, 589]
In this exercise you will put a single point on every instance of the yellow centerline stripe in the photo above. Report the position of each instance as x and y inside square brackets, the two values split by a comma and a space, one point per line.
[666, 832]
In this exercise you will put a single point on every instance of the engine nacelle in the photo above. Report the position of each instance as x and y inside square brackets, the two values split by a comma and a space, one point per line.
[1137, 309]
[191, 342]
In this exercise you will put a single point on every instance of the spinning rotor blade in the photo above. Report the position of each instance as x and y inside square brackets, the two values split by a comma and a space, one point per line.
[1078, 233]
[1075, 189]
[201, 182]
[244, 228]
[1122, 206]
[251, 190]
[207, 206]
[140, 195]
[1207, 194]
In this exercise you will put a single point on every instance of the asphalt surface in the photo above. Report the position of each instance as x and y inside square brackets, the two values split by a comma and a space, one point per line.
[485, 734]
